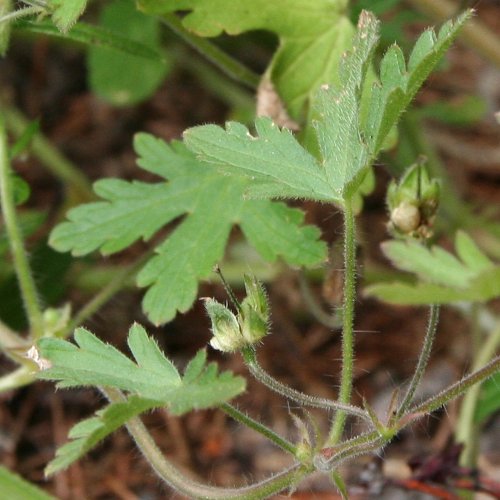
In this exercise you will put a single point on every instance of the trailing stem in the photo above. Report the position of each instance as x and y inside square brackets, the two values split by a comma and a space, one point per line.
[422, 360]
[347, 321]
[19, 256]
[193, 489]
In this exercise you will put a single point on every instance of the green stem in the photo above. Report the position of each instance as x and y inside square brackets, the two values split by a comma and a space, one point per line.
[50, 156]
[193, 489]
[457, 389]
[465, 429]
[223, 61]
[20, 259]
[422, 360]
[346, 380]
[241, 417]
[299, 397]
[474, 33]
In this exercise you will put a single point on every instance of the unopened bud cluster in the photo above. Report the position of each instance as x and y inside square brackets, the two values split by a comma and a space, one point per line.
[233, 332]
[413, 203]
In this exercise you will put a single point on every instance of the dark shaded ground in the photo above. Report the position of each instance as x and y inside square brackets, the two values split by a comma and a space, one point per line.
[44, 80]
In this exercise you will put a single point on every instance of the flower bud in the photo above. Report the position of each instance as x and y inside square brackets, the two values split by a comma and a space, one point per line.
[413, 203]
[231, 333]
[225, 327]
[254, 315]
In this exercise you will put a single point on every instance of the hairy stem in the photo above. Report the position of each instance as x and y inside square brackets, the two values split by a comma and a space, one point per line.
[49, 156]
[211, 52]
[24, 12]
[299, 397]
[457, 389]
[474, 33]
[464, 432]
[422, 360]
[347, 321]
[244, 419]
[193, 489]
[19, 256]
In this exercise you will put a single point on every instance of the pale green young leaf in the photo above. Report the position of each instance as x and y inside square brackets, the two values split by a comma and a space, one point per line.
[398, 86]
[135, 210]
[118, 77]
[442, 277]
[14, 487]
[483, 287]
[151, 377]
[470, 253]
[434, 264]
[65, 13]
[312, 35]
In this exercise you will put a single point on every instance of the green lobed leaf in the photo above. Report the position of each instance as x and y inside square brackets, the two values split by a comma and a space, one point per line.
[152, 376]
[152, 381]
[65, 13]
[89, 432]
[313, 36]
[118, 77]
[273, 160]
[348, 143]
[135, 210]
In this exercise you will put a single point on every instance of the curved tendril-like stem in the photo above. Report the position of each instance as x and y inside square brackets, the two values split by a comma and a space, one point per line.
[193, 489]
[422, 360]
[299, 397]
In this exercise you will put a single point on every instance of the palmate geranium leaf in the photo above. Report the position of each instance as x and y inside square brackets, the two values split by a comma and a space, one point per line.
[349, 137]
[135, 210]
[312, 35]
[151, 381]
[442, 277]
